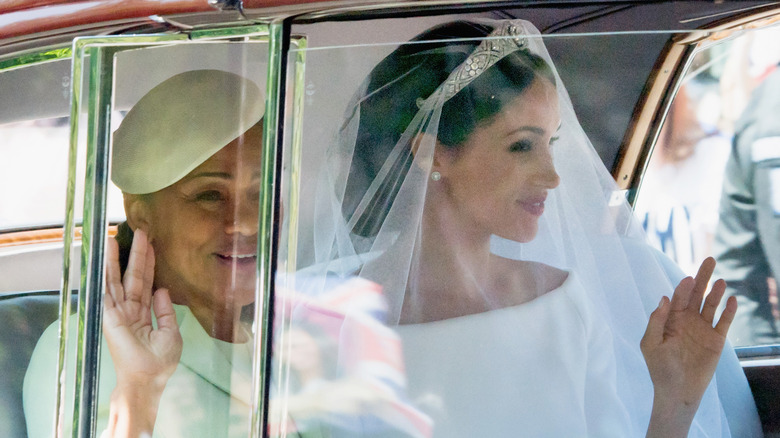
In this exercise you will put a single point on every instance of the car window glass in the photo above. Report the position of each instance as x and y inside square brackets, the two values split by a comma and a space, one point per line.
[35, 124]
[34, 128]
[35, 133]
[184, 126]
[340, 362]
[709, 188]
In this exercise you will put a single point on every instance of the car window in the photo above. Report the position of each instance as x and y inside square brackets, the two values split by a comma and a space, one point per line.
[177, 129]
[341, 338]
[213, 392]
[34, 146]
[34, 128]
[710, 187]
[33, 172]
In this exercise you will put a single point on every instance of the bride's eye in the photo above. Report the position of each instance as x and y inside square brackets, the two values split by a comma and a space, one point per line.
[521, 146]
[553, 140]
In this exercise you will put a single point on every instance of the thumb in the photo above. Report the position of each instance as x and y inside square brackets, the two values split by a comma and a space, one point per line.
[654, 334]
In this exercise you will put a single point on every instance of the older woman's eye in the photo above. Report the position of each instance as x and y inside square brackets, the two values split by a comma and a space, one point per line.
[521, 146]
[209, 196]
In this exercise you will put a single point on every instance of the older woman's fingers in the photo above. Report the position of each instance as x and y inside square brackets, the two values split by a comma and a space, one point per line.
[136, 265]
[713, 300]
[682, 294]
[146, 293]
[114, 289]
[108, 301]
[654, 334]
[702, 279]
[722, 327]
[163, 310]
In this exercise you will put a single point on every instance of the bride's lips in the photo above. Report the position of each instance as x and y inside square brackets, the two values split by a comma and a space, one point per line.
[534, 206]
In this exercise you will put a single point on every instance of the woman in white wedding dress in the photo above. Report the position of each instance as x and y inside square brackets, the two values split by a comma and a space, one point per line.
[464, 184]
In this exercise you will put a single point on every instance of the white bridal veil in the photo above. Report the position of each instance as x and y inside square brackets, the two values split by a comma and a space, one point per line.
[494, 372]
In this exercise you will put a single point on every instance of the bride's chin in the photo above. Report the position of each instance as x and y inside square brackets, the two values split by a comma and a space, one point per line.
[524, 235]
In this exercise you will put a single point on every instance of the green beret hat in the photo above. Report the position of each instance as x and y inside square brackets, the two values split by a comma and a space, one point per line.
[179, 124]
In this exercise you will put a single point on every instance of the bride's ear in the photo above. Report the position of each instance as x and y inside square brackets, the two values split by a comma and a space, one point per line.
[429, 154]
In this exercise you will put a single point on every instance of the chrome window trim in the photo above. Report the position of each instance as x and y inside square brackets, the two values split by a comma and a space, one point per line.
[268, 232]
[94, 223]
[759, 355]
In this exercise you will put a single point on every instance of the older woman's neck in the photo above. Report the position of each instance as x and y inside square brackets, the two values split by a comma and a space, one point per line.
[221, 323]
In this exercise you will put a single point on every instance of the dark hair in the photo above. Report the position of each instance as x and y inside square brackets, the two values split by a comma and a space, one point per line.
[124, 240]
[411, 73]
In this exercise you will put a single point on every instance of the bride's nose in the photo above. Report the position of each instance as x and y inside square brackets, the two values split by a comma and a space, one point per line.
[545, 175]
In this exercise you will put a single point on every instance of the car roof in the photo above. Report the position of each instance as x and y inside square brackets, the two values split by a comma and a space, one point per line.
[24, 17]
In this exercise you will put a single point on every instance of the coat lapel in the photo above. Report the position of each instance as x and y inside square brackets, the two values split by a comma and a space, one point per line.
[203, 355]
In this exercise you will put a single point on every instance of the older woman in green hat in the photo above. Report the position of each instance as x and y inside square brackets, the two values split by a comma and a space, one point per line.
[186, 158]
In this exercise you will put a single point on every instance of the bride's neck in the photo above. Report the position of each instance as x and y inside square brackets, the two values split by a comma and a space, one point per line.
[453, 250]
[454, 274]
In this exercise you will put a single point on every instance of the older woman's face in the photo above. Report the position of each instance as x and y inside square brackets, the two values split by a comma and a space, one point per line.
[204, 228]
[498, 179]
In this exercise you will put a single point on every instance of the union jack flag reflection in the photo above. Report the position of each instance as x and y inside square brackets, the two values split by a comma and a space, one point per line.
[338, 369]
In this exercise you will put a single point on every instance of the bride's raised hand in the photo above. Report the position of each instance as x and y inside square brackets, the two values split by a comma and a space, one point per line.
[682, 348]
[144, 356]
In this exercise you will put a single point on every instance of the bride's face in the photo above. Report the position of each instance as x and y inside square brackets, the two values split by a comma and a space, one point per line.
[499, 178]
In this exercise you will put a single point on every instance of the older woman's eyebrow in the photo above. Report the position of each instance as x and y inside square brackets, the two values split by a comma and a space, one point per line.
[220, 175]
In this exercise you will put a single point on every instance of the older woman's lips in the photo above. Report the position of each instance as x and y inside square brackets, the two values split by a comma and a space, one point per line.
[237, 259]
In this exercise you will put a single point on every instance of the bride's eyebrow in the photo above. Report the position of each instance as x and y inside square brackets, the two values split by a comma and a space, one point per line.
[532, 129]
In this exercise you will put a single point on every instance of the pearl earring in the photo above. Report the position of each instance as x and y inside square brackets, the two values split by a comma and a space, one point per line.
[435, 176]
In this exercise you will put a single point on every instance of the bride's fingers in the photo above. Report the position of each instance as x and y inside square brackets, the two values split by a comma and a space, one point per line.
[722, 327]
[114, 289]
[682, 294]
[702, 279]
[136, 265]
[654, 333]
[713, 300]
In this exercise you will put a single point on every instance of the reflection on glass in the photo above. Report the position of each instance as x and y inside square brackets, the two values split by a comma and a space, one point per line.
[341, 367]
[708, 192]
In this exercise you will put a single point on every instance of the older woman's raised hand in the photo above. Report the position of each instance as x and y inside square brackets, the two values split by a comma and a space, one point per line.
[682, 348]
[144, 356]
